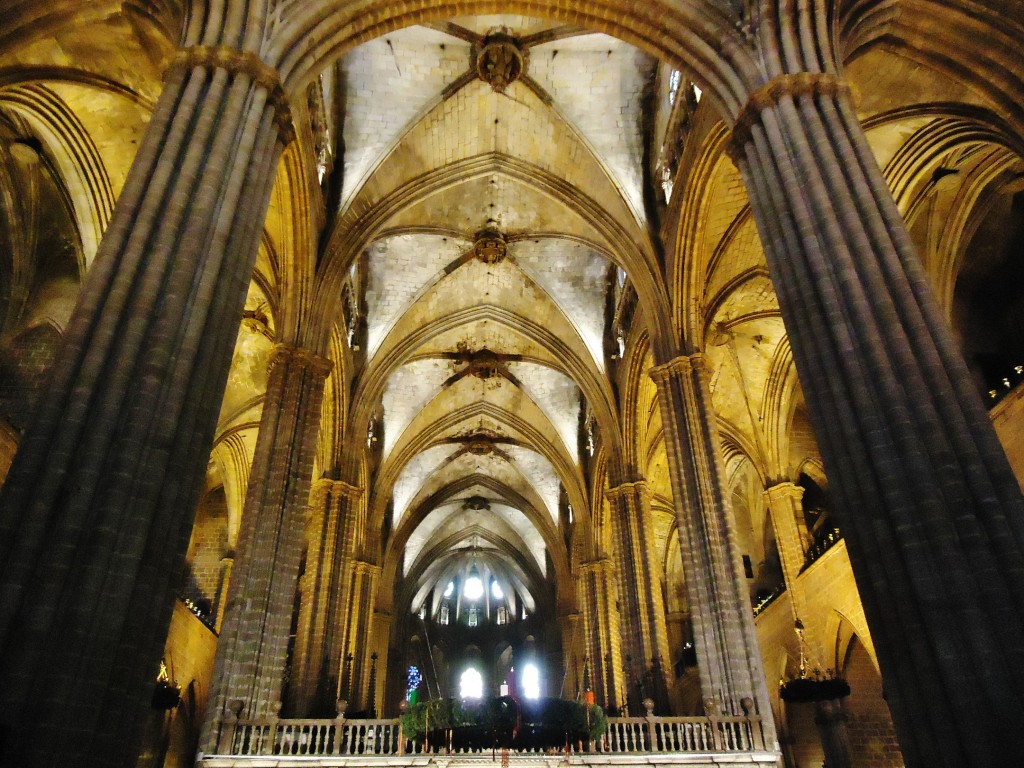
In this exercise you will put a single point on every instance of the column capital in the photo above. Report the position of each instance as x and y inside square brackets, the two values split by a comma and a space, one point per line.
[597, 565]
[678, 365]
[289, 353]
[619, 491]
[337, 488]
[236, 62]
[364, 568]
[784, 490]
[769, 95]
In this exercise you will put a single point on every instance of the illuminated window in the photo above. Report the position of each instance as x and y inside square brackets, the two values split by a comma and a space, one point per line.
[471, 684]
[449, 589]
[474, 617]
[503, 615]
[674, 80]
[496, 592]
[474, 588]
[444, 614]
[531, 681]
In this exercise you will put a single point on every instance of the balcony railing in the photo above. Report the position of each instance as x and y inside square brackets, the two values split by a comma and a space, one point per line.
[383, 737]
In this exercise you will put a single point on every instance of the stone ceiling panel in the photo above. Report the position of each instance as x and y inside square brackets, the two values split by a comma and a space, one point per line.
[541, 475]
[577, 278]
[474, 285]
[476, 122]
[489, 334]
[598, 83]
[389, 83]
[557, 395]
[498, 392]
[516, 207]
[741, 254]
[450, 518]
[741, 364]
[413, 474]
[408, 390]
[401, 268]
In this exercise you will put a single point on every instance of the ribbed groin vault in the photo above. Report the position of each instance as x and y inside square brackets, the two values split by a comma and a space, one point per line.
[661, 351]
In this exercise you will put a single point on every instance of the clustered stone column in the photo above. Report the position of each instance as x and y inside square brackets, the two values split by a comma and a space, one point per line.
[787, 515]
[253, 647]
[643, 612]
[96, 511]
[598, 595]
[930, 510]
[728, 656]
[314, 680]
[379, 643]
[573, 650]
[362, 593]
[325, 637]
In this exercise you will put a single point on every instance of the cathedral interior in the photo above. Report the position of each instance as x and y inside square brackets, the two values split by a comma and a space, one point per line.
[660, 351]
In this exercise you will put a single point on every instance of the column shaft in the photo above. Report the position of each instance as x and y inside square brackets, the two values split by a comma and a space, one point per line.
[643, 614]
[253, 647]
[310, 687]
[787, 511]
[728, 656]
[574, 650]
[598, 598]
[362, 594]
[96, 511]
[379, 643]
[930, 510]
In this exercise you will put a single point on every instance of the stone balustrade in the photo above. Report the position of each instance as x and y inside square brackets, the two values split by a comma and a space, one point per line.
[341, 737]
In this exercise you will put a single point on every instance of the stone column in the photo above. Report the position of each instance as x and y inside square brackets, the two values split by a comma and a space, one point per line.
[96, 511]
[379, 643]
[835, 741]
[253, 647]
[728, 656]
[573, 650]
[642, 613]
[314, 670]
[787, 514]
[932, 515]
[227, 564]
[598, 597]
[336, 620]
[362, 593]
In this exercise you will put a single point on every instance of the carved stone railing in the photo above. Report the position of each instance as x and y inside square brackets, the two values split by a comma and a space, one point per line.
[383, 737]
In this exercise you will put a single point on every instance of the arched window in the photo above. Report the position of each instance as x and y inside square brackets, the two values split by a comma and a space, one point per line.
[531, 682]
[473, 588]
[471, 684]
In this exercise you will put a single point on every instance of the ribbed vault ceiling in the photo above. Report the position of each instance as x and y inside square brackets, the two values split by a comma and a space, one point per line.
[478, 373]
